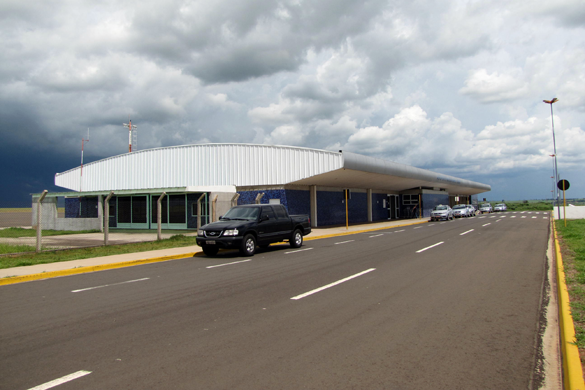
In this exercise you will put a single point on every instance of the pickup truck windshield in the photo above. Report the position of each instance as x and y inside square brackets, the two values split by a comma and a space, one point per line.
[248, 213]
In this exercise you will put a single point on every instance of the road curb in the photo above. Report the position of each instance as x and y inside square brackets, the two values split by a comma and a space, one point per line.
[103, 267]
[572, 369]
[364, 231]
[93, 268]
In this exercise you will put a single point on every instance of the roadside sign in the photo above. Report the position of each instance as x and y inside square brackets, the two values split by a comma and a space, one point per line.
[563, 185]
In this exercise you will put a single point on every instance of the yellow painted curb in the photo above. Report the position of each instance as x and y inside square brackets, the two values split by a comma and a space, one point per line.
[572, 369]
[82, 270]
[103, 267]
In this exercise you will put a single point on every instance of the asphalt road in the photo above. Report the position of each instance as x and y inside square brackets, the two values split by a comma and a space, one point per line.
[454, 305]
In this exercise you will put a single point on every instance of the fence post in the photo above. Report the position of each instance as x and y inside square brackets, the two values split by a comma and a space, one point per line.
[159, 217]
[235, 200]
[40, 219]
[107, 218]
[214, 209]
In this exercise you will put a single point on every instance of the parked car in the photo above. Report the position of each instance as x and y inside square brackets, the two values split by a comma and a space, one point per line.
[471, 209]
[486, 208]
[460, 210]
[441, 212]
[501, 207]
[244, 227]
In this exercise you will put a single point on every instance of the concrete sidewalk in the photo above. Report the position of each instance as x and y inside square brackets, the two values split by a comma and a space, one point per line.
[42, 271]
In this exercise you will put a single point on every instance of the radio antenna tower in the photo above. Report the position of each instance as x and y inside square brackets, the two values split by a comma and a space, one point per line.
[130, 127]
[81, 170]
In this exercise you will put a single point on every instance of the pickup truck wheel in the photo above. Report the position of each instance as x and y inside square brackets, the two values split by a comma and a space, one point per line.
[296, 240]
[210, 250]
[248, 247]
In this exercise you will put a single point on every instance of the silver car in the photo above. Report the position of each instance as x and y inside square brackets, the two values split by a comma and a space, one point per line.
[501, 207]
[460, 211]
[486, 208]
[441, 212]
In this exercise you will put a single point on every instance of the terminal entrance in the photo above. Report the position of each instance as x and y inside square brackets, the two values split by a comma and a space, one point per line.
[393, 207]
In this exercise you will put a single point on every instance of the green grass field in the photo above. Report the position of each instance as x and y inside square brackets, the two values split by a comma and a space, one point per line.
[20, 232]
[86, 253]
[572, 240]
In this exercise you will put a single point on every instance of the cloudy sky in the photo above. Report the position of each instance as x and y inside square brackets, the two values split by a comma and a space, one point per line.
[451, 86]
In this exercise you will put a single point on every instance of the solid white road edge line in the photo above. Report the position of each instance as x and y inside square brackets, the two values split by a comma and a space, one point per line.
[429, 247]
[235, 262]
[60, 381]
[108, 285]
[298, 250]
[469, 231]
[344, 242]
[332, 284]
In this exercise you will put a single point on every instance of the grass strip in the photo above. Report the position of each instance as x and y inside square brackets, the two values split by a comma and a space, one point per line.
[8, 248]
[14, 232]
[86, 253]
[530, 206]
[572, 242]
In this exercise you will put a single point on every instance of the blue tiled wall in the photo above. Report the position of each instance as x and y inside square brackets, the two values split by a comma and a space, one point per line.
[297, 202]
[331, 208]
[249, 197]
[71, 207]
[429, 201]
[379, 213]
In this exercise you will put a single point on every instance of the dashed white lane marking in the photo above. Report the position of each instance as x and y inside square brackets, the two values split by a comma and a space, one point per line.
[469, 231]
[108, 285]
[377, 235]
[419, 227]
[524, 216]
[544, 217]
[429, 247]
[498, 220]
[60, 381]
[344, 242]
[224, 264]
[513, 216]
[486, 224]
[398, 231]
[298, 250]
[332, 284]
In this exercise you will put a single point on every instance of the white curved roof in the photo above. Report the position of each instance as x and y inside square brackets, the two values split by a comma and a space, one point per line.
[253, 165]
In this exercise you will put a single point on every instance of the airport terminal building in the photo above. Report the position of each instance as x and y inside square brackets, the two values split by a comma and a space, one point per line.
[195, 184]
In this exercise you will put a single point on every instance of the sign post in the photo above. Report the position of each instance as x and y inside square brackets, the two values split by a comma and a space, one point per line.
[564, 185]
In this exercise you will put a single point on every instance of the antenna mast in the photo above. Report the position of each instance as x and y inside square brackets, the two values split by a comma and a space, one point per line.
[130, 127]
[81, 170]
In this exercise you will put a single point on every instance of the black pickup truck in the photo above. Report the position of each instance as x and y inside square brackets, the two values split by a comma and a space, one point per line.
[244, 227]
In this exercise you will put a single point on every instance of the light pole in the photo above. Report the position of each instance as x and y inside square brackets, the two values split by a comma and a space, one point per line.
[555, 150]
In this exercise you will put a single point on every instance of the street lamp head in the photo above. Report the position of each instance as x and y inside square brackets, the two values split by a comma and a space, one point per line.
[551, 101]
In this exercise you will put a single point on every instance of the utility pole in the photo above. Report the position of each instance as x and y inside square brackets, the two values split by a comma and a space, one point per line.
[130, 127]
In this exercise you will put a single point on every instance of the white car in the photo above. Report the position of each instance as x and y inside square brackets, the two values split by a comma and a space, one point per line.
[486, 208]
[460, 210]
[471, 210]
[501, 207]
[441, 212]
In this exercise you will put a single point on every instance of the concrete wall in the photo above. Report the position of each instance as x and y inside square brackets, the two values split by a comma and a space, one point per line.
[51, 221]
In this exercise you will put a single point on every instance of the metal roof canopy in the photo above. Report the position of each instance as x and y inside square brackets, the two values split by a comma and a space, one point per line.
[251, 165]
[367, 172]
